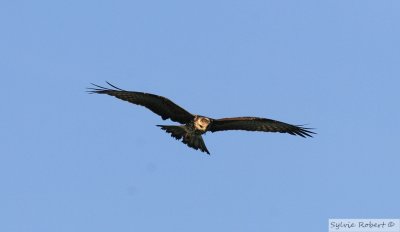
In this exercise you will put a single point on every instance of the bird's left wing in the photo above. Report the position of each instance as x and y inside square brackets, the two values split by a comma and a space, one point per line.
[258, 124]
[159, 105]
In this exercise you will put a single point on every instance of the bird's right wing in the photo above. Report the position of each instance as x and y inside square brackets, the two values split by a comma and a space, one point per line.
[258, 124]
[159, 105]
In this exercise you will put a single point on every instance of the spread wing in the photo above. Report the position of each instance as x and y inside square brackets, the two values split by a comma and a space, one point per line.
[258, 124]
[159, 105]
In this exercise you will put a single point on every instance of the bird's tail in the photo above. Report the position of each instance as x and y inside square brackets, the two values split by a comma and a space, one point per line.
[191, 139]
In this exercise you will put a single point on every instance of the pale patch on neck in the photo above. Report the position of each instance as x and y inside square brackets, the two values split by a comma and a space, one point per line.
[201, 123]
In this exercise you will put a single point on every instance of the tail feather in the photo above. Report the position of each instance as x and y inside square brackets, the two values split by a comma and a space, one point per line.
[190, 139]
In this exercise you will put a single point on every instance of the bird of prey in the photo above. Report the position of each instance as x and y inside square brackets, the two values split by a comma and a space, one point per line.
[192, 125]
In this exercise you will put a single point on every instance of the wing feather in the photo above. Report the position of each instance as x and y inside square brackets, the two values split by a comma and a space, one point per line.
[259, 124]
[157, 104]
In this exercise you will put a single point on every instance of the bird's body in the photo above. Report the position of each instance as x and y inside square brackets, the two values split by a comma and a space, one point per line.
[194, 126]
[191, 132]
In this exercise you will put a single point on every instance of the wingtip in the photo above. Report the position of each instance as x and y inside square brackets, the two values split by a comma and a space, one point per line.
[95, 89]
[101, 89]
[306, 132]
[115, 87]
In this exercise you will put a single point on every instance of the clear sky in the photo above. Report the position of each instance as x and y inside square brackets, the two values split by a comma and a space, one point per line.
[70, 161]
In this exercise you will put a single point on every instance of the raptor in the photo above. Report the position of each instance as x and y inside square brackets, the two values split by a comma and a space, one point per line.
[193, 126]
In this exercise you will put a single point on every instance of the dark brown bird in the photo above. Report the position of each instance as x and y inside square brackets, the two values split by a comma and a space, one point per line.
[193, 126]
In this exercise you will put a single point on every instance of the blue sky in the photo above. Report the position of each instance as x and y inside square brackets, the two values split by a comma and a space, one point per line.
[70, 161]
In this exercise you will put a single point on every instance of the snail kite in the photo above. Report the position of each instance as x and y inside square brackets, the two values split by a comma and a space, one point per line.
[193, 126]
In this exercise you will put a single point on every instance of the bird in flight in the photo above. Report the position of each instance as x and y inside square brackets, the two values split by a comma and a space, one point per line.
[193, 126]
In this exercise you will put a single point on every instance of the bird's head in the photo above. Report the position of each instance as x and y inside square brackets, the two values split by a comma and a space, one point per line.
[201, 123]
